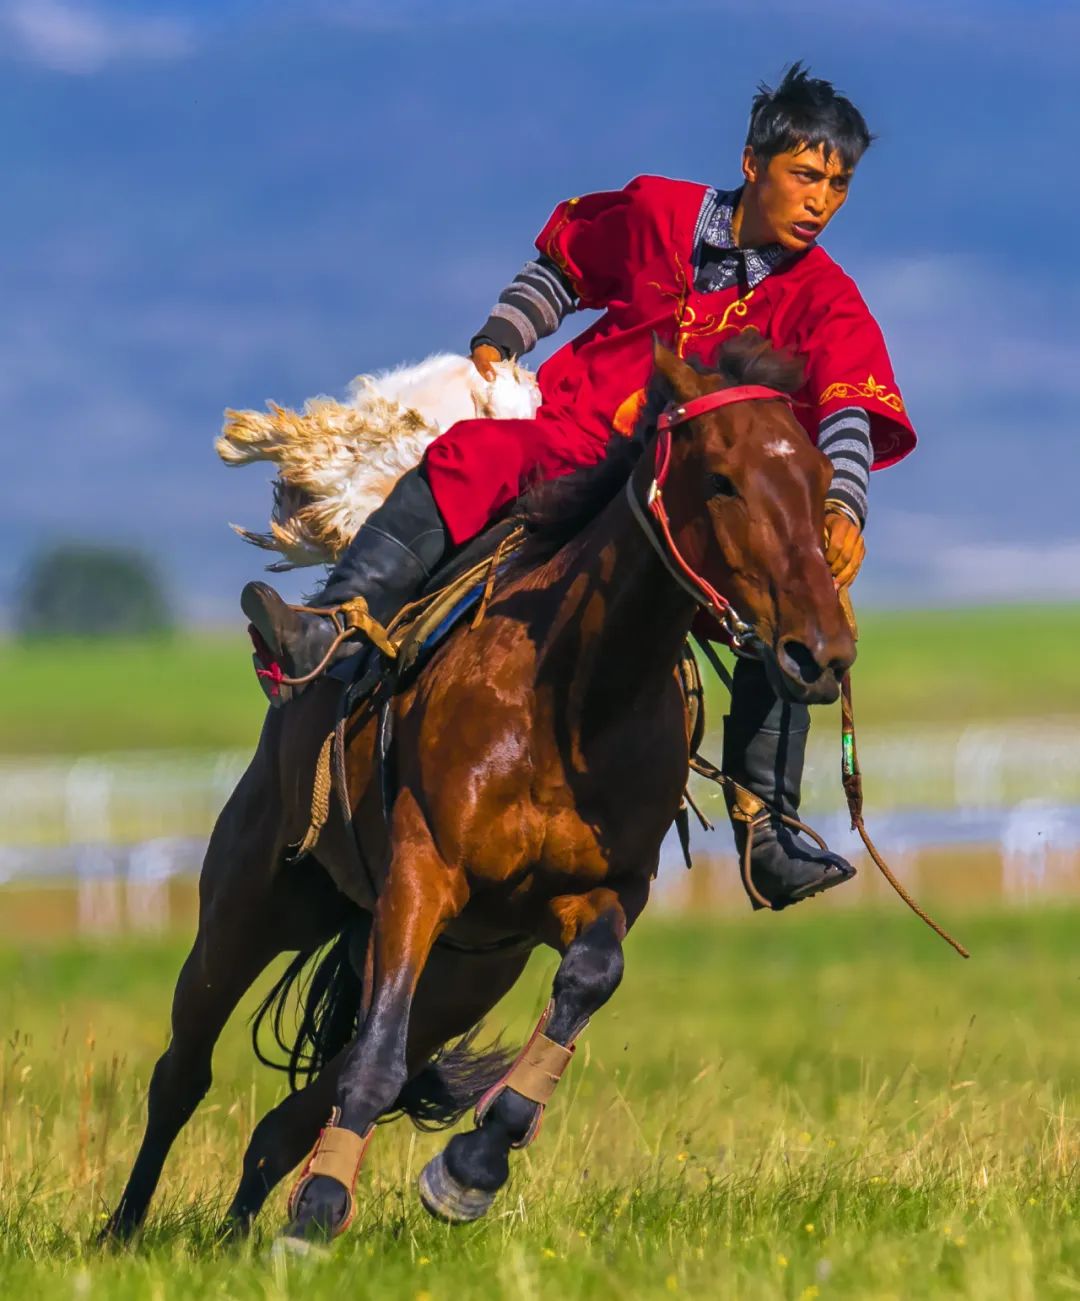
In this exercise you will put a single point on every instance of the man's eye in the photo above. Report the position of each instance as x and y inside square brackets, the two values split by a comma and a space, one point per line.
[721, 486]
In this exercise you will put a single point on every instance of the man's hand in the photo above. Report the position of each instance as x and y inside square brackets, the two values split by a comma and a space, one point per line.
[844, 547]
[484, 357]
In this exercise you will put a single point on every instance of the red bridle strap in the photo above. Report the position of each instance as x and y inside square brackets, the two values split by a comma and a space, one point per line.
[676, 415]
[698, 586]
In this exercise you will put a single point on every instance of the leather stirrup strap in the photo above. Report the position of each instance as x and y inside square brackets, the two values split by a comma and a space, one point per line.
[348, 619]
[338, 1154]
[753, 812]
[358, 617]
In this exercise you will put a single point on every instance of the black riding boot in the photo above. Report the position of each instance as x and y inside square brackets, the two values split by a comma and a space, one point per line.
[389, 560]
[764, 750]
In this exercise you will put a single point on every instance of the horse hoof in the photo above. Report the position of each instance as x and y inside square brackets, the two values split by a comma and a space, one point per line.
[448, 1200]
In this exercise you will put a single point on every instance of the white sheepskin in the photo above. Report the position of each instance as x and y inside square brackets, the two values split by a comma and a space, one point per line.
[338, 460]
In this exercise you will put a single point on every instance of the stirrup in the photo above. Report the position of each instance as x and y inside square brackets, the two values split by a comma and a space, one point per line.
[348, 619]
[754, 813]
[352, 616]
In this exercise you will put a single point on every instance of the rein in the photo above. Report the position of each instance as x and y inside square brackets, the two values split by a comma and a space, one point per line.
[851, 776]
[742, 637]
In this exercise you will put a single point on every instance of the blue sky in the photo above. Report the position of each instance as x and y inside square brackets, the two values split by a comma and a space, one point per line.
[214, 204]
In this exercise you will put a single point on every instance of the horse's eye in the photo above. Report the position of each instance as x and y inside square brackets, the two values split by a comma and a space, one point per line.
[721, 486]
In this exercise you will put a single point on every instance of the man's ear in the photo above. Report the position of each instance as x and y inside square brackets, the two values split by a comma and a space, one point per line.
[682, 380]
[752, 168]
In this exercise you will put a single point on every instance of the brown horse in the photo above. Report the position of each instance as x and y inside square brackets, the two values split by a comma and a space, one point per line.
[536, 764]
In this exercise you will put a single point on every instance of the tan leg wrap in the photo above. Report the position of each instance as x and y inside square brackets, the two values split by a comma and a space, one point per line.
[338, 1154]
[535, 1075]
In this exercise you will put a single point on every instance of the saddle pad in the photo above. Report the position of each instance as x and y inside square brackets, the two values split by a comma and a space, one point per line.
[419, 635]
[424, 624]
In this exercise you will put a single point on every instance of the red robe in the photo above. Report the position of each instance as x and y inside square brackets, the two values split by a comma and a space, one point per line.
[629, 252]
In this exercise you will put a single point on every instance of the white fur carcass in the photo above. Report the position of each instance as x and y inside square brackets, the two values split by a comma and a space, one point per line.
[336, 461]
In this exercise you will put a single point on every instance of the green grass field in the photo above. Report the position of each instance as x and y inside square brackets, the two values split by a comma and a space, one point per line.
[198, 692]
[821, 1105]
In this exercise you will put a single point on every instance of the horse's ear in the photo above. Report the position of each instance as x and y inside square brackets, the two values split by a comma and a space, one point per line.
[681, 379]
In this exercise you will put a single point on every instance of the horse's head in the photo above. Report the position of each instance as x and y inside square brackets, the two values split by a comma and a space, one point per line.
[745, 494]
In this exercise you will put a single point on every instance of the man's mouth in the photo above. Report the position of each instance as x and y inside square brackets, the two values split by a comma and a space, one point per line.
[807, 229]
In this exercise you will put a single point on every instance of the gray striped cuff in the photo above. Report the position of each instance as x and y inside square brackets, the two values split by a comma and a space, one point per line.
[844, 437]
[520, 321]
[530, 308]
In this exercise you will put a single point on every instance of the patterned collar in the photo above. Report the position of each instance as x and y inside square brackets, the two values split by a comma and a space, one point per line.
[719, 262]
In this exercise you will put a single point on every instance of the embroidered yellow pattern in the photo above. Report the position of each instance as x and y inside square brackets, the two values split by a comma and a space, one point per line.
[692, 328]
[687, 325]
[680, 293]
[555, 253]
[871, 389]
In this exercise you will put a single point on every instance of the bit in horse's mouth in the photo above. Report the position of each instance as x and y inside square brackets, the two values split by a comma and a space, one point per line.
[821, 690]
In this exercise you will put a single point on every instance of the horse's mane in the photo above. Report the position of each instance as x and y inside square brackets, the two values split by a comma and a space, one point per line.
[556, 511]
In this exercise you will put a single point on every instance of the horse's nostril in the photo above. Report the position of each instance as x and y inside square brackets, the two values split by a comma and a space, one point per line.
[801, 660]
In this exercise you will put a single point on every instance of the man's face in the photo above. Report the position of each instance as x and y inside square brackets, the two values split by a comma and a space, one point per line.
[794, 195]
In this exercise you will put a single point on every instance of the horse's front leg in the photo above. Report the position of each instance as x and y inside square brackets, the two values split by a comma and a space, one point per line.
[460, 1184]
[421, 893]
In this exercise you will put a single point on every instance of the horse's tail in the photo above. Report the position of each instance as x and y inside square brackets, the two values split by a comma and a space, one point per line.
[328, 993]
[324, 1017]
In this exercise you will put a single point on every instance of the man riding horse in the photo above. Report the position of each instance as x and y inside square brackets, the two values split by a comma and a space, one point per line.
[693, 265]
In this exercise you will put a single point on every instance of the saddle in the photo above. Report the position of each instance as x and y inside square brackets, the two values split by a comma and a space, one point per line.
[372, 677]
[457, 588]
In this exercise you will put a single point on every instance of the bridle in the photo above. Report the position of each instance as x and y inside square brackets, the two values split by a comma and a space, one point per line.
[652, 514]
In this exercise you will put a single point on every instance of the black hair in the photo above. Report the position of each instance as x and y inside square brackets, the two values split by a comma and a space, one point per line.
[805, 110]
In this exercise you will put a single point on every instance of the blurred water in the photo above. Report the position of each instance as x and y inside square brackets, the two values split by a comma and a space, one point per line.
[125, 798]
[123, 826]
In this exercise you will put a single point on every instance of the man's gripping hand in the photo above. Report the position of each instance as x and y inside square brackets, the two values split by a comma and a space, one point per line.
[844, 545]
[484, 357]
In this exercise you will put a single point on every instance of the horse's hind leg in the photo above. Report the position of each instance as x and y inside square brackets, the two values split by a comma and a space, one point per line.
[460, 1183]
[219, 969]
[247, 916]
